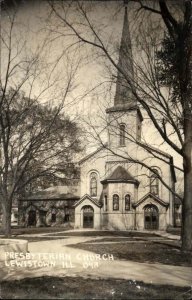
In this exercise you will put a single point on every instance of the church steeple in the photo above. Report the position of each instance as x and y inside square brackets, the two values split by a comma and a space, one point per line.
[124, 95]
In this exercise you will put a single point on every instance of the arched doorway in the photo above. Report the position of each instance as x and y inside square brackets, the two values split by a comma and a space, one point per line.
[151, 217]
[32, 218]
[88, 216]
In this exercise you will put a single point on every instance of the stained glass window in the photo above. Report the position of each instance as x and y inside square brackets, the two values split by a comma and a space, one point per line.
[122, 135]
[115, 202]
[154, 183]
[93, 184]
[127, 202]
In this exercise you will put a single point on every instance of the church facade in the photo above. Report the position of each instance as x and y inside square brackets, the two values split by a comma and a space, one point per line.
[121, 186]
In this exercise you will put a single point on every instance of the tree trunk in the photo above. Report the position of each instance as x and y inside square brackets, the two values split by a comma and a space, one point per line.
[6, 221]
[187, 201]
[186, 90]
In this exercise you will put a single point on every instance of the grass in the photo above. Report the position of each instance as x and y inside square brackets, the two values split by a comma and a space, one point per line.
[145, 251]
[34, 230]
[83, 288]
[106, 233]
[32, 239]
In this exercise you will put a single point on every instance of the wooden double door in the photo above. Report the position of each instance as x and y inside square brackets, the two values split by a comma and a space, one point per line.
[151, 217]
[88, 217]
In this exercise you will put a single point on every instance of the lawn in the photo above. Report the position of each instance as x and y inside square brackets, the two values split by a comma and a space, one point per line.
[106, 233]
[34, 230]
[83, 288]
[140, 250]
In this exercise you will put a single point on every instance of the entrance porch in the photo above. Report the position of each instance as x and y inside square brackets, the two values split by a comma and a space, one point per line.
[88, 213]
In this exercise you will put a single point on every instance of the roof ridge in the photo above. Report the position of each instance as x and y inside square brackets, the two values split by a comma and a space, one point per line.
[153, 148]
[92, 153]
[120, 174]
[155, 197]
[95, 201]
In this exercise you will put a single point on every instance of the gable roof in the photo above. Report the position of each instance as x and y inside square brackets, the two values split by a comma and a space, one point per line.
[86, 196]
[155, 198]
[160, 152]
[120, 175]
[52, 193]
[92, 154]
[154, 149]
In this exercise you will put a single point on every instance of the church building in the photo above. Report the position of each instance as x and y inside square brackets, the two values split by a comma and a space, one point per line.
[120, 185]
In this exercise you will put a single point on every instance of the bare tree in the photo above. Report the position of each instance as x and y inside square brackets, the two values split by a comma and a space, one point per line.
[36, 136]
[146, 87]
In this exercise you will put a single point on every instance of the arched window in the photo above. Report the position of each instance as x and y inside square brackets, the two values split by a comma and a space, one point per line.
[139, 132]
[122, 135]
[127, 202]
[115, 202]
[106, 204]
[93, 184]
[154, 183]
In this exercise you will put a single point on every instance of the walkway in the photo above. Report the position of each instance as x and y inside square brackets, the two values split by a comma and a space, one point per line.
[62, 260]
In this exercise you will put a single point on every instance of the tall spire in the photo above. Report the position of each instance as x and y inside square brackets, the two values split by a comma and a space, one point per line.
[124, 95]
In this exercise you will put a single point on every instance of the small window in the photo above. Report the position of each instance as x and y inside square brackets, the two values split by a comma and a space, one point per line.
[106, 204]
[16, 215]
[93, 184]
[115, 202]
[122, 135]
[139, 132]
[127, 202]
[23, 219]
[154, 183]
[66, 218]
[53, 215]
